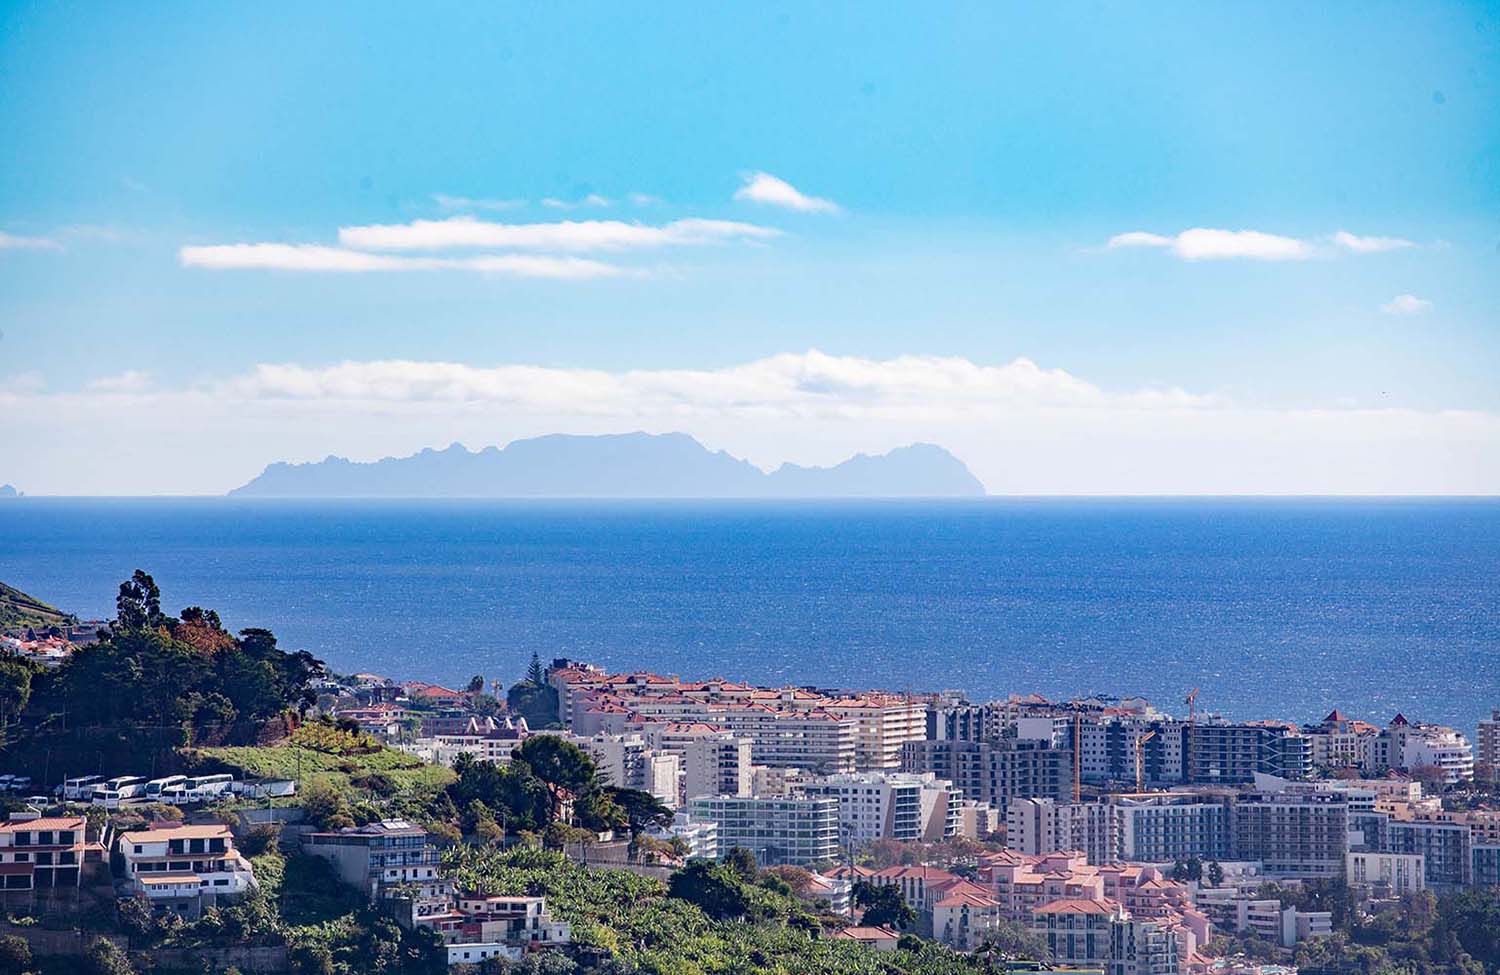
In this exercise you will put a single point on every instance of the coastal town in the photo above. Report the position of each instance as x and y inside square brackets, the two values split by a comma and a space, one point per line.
[1098, 834]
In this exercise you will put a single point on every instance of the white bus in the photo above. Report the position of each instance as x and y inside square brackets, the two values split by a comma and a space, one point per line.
[202, 788]
[80, 789]
[118, 789]
[155, 787]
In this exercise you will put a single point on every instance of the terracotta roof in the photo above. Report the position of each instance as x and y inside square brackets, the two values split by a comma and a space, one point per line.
[969, 900]
[208, 831]
[858, 933]
[1075, 905]
[46, 822]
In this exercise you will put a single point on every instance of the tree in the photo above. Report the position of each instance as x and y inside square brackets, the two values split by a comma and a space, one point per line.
[742, 862]
[1007, 942]
[15, 691]
[1215, 874]
[716, 889]
[476, 685]
[536, 703]
[643, 811]
[15, 955]
[535, 675]
[104, 957]
[565, 769]
[883, 905]
[139, 603]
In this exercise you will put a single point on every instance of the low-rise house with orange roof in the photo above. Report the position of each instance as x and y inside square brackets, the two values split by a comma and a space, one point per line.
[184, 868]
[38, 852]
[962, 919]
[879, 938]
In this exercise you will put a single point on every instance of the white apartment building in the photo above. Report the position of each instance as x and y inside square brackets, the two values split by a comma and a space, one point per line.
[714, 761]
[1041, 826]
[782, 829]
[883, 724]
[628, 762]
[767, 781]
[185, 868]
[700, 835]
[1390, 874]
[890, 805]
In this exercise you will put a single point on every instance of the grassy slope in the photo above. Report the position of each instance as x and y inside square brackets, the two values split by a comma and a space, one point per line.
[20, 610]
[407, 772]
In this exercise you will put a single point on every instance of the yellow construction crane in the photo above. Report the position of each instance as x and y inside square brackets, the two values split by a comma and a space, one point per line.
[1140, 760]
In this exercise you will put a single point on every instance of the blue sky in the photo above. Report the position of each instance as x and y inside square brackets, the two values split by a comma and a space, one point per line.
[977, 159]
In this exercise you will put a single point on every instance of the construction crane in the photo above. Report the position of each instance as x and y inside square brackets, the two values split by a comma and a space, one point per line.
[1140, 760]
[1187, 758]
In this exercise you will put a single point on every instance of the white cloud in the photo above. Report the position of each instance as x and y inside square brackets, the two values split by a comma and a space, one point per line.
[316, 257]
[474, 203]
[771, 191]
[1207, 244]
[643, 199]
[566, 236]
[792, 384]
[1369, 245]
[1021, 427]
[1406, 305]
[19, 243]
[592, 200]
[129, 381]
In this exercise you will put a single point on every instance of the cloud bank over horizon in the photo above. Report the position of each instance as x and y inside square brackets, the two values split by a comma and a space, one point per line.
[1022, 428]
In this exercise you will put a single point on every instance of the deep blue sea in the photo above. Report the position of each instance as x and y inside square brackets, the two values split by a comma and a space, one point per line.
[1276, 608]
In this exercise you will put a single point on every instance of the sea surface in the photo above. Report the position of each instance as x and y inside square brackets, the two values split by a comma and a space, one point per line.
[1275, 608]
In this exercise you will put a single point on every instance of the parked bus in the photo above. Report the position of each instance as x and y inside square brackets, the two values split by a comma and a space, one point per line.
[155, 787]
[118, 789]
[79, 789]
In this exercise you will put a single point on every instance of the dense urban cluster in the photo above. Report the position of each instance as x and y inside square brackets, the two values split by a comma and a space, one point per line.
[275, 817]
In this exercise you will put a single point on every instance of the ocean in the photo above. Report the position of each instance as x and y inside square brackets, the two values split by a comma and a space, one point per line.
[1275, 608]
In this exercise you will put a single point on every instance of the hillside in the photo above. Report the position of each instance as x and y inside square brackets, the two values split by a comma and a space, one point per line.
[631, 465]
[18, 610]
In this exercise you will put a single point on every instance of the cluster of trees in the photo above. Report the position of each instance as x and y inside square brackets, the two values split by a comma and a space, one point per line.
[170, 680]
[546, 777]
[1457, 934]
[533, 698]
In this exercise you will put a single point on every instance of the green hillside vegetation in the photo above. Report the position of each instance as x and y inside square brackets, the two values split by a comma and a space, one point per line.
[154, 685]
[19, 611]
[648, 928]
[320, 751]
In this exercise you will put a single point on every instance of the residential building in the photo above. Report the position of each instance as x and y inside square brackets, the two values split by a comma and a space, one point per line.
[379, 858]
[1294, 835]
[995, 772]
[1218, 751]
[39, 852]
[714, 761]
[480, 927]
[629, 762]
[184, 868]
[780, 829]
[879, 938]
[890, 805]
[1385, 874]
[1487, 748]
[962, 920]
[701, 836]
[1165, 827]
[1042, 826]
[883, 724]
